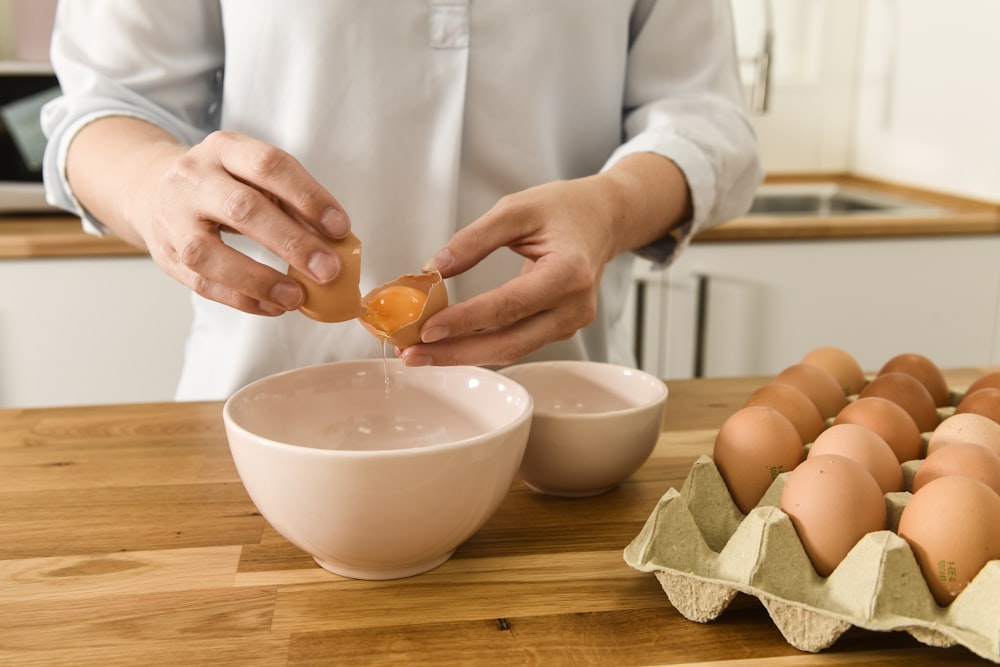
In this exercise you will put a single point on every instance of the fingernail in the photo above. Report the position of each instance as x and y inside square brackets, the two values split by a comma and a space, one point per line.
[270, 309]
[416, 359]
[289, 295]
[439, 262]
[335, 222]
[324, 266]
[434, 334]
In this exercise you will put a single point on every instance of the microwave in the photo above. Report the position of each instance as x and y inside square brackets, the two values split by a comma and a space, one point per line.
[24, 88]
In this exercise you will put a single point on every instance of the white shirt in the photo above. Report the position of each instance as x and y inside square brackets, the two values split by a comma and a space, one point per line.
[417, 115]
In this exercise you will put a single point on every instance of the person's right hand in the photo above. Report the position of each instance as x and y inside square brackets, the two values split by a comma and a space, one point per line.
[179, 200]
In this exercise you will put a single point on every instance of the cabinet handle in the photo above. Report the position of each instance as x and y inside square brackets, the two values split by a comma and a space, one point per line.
[639, 337]
[701, 323]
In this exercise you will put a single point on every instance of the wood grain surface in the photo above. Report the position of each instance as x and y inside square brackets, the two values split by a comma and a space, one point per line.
[56, 235]
[126, 538]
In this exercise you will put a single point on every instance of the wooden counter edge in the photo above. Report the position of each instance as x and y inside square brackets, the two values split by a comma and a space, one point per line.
[48, 236]
[961, 216]
[61, 235]
[774, 228]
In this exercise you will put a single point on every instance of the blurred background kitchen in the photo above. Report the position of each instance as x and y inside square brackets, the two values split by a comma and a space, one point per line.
[901, 92]
[885, 92]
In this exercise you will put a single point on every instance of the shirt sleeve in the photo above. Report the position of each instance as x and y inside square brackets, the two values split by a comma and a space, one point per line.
[113, 58]
[684, 100]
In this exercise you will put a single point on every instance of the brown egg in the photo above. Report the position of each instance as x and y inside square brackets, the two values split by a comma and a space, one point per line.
[985, 402]
[983, 381]
[792, 403]
[908, 393]
[865, 446]
[887, 419]
[339, 300]
[833, 502]
[821, 387]
[953, 526]
[965, 428]
[753, 447]
[395, 311]
[925, 370]
[839, 363]
[960, 459]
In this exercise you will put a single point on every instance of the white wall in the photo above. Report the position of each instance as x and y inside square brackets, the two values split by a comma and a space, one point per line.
[6, 30]
[76, 331]
[25, 28]
[900, 90]
[929, 95]
[808, 123]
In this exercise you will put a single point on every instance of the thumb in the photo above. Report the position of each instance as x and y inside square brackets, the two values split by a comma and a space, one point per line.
[472, 244]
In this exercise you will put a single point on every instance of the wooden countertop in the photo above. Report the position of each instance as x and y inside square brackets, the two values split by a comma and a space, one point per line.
[56, 235]
[50, 235]
[126, 538]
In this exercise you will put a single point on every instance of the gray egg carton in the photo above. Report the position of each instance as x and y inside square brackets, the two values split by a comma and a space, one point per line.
[704, 551]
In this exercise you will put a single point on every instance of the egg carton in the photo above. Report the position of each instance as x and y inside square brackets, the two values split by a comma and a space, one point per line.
[704, 551]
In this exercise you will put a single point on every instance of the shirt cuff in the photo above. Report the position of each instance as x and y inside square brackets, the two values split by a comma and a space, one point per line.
[701, 184]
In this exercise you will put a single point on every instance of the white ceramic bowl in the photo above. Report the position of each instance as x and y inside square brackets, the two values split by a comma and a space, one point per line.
[378, 472]
[594, 424]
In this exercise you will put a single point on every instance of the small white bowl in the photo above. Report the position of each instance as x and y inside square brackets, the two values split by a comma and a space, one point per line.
[594, 424]
[378, 471]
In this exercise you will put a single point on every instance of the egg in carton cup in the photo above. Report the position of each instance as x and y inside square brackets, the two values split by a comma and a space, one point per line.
[704, 551]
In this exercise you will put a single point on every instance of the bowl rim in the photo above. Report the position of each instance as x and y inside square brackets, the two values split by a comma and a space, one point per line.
[655, 381]
[229, 420]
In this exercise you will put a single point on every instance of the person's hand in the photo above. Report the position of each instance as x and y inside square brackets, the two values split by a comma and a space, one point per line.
[567, 231]
[562, 231]
[179, 201]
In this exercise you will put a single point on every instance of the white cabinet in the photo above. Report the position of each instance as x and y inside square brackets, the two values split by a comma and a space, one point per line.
[89, 330]
[763, 305]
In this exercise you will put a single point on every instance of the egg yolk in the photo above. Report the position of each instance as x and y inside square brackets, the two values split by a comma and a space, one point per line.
[394, 307]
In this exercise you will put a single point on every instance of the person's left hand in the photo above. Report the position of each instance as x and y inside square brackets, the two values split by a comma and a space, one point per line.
[564, 230]
[567, 231]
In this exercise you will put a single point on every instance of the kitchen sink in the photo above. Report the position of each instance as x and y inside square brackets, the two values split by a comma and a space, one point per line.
[831, 199]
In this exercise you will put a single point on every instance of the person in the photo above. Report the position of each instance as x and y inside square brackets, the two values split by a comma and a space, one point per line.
[528, 150]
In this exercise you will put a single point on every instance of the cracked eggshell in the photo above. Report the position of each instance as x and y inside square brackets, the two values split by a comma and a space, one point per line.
[430, 283]
[339, 300]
